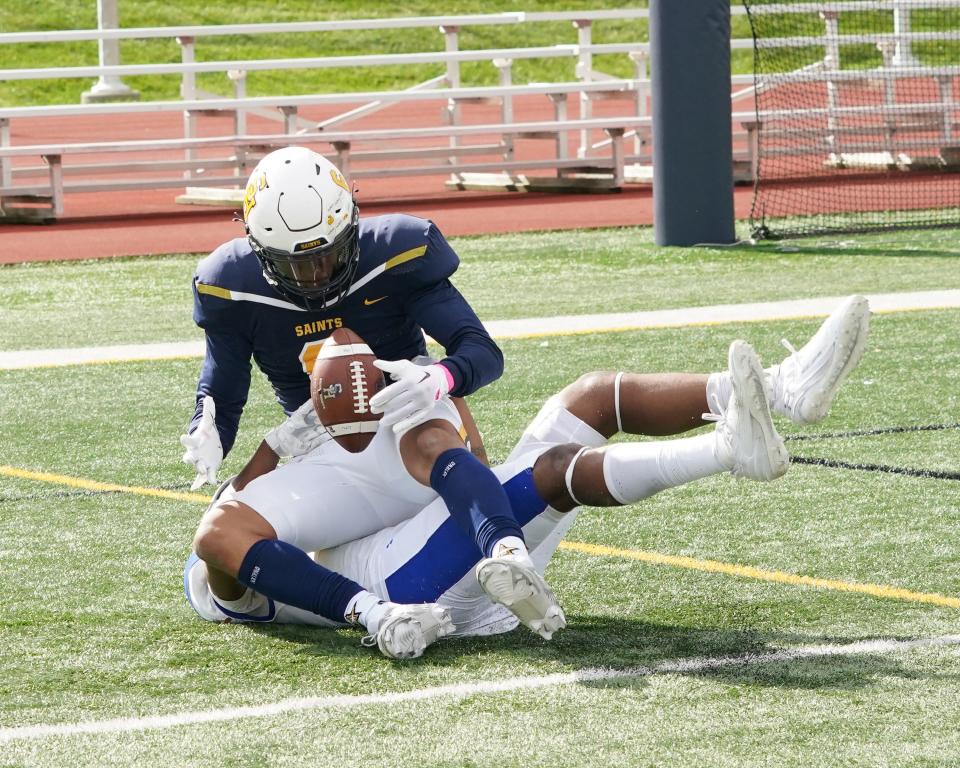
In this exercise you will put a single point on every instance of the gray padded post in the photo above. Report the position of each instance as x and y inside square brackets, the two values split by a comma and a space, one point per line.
[692, 145]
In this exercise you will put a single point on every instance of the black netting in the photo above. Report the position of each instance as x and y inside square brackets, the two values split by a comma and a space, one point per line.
[857, 106]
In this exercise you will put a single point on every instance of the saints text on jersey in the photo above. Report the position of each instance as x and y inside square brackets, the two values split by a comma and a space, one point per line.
[319, 326]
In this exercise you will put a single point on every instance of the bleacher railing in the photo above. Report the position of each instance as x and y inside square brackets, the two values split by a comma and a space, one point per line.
[621, 142]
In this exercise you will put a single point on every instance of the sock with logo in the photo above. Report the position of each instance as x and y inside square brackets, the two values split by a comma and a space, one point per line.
[475, 499]
[367, 609]
[511, 546]
[289, 575]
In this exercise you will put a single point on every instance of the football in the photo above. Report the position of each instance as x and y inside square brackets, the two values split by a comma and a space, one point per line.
[343, 380]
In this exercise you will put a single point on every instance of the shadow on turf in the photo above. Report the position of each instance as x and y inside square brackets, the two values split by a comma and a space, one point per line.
[593, 642]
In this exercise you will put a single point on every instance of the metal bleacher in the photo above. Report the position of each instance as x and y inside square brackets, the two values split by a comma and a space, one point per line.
[211, 168]
[590, 132]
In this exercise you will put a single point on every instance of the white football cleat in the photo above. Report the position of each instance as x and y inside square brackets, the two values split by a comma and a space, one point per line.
[513, 582]
[805, 384]
[405, 631]
[747, 442]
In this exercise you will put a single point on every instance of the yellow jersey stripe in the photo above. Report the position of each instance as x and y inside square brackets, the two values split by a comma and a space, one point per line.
[402, 258]
[226, 293]
[214, 290]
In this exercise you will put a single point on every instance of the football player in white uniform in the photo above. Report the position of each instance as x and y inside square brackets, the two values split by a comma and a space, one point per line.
[562, 462]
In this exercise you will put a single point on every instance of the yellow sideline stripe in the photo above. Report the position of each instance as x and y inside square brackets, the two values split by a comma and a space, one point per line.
[746, 571]
[655, 558]
[92, 485]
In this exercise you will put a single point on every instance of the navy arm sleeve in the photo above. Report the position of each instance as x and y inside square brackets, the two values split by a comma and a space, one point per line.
[473, 357]
[225, 374]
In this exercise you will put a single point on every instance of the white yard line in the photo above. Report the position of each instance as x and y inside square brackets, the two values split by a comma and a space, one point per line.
[532, 326]
[338, 702]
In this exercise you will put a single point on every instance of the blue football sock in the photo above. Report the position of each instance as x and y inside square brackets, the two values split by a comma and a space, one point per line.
[288, 575]
[474, 497]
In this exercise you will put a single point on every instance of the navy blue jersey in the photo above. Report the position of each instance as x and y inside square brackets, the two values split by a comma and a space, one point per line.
[401, 290]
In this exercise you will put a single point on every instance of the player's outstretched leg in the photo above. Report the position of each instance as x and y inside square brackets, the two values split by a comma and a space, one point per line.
[804, 384]
[512, 581]
[405, 631]
[746, 441]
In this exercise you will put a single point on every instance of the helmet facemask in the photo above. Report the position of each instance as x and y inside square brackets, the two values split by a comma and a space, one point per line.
[302, 224]
[315, 277]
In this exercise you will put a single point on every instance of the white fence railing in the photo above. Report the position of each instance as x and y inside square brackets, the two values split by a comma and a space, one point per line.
[614, 142]
[288, 111]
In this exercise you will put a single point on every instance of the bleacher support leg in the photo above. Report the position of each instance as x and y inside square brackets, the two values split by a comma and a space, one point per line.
[6, 166]
[55, 164]
[692, 141]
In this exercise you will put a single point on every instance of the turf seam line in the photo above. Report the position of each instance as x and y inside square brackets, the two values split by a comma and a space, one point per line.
[687, 666]
[927, 474]
[871, 432]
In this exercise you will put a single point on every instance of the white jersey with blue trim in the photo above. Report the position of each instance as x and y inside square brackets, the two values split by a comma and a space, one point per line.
[429, 558]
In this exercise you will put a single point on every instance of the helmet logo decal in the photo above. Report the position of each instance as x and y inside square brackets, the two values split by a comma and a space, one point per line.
[250, 195]
[339, 180]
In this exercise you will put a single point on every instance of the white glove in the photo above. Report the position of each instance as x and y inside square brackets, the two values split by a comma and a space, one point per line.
[410, 399]
[204, 451]
[299, 434]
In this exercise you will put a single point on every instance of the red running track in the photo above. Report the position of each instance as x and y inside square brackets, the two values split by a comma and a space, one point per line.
[150, 222]
[202, 230]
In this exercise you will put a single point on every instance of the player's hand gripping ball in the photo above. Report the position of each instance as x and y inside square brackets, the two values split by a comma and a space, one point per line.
[344, 379]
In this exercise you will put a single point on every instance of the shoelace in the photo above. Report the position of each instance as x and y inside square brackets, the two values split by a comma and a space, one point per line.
[780, 393]
[711, 416]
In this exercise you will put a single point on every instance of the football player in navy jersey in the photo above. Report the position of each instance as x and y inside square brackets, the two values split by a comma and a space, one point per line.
[308, 265]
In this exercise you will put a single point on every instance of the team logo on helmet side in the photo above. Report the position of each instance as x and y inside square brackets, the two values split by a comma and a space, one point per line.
[250, 195]
[339, 180]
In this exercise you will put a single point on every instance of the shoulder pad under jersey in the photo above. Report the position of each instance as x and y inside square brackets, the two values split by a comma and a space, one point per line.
[228, 274]
[400, 251]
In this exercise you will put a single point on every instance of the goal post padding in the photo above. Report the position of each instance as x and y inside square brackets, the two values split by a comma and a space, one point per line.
[692, 146]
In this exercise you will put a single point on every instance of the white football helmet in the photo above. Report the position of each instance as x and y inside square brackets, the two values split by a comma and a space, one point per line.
[302, 223]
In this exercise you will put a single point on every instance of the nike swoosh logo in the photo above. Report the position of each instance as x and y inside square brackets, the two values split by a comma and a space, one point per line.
[368, 302]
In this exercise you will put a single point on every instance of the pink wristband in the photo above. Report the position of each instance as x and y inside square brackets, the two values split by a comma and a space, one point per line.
[446, 373]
